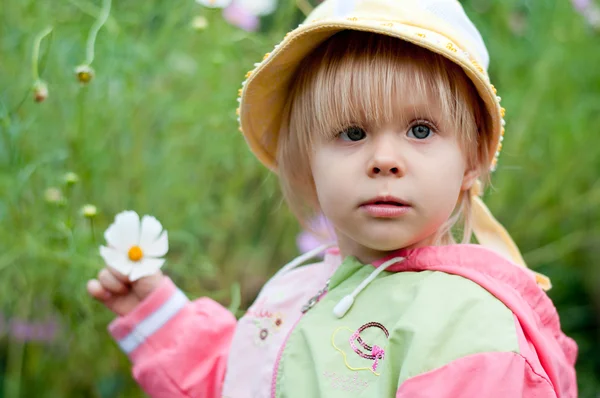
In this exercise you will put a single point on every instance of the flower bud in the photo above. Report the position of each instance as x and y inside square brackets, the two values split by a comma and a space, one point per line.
[84, 73]
[199, 23]
[214, 3]
[71, 178]
[89, 211]
[53, 195]
[40, 91]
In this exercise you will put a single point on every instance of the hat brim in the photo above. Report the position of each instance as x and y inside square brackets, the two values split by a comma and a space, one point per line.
[266, 90]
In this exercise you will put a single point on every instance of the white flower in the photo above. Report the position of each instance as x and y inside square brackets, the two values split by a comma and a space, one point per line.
[214, 3]
[258, 7]
[135, 248]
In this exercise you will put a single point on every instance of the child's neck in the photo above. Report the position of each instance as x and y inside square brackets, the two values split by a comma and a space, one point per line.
[368, 255]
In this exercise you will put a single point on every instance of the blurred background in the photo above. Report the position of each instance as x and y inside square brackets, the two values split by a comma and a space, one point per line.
[154, 130]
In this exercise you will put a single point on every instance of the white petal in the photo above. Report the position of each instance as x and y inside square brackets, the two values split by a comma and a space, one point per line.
[124, 232]
[149, 232]
[158, 248]
[147, 266]
[116, 259]
[258, 7]
[214, 3]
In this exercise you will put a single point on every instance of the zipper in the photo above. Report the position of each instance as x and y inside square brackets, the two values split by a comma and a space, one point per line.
[315, 299]
[311, 303]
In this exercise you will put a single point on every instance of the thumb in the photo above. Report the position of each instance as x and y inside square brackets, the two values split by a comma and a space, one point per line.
[143, 287]
[118, 303]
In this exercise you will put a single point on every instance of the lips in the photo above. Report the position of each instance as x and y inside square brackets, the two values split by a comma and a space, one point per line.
[386, 200]
[385, 207]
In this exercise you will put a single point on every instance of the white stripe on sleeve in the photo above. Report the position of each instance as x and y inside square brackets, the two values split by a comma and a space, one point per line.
[152, 323]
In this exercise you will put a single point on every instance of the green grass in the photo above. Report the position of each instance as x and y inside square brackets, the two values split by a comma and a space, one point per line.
[155, 131]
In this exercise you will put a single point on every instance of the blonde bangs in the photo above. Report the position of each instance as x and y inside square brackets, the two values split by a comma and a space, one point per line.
[359, 78]
[362, 88]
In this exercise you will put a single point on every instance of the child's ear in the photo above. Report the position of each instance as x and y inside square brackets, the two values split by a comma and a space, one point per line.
[469, 179]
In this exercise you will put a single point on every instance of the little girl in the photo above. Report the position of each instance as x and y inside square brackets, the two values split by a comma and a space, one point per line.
[378, 114]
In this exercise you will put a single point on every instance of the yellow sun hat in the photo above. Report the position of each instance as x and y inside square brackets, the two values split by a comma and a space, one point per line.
[441, 26]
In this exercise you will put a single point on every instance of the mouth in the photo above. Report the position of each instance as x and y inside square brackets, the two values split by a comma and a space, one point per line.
[386, 201]
[386, 207]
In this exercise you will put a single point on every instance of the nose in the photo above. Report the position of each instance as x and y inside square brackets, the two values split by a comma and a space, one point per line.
[385, 164]
[386, 160]
[384, 167]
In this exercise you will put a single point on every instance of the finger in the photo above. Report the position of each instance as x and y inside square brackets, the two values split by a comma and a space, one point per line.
[143, 287]
[120, 305]
[111, 283]
[119, 276]
[95, 289]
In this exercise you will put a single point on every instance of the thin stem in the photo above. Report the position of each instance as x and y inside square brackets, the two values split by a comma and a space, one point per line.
[5, 127]
[94, 31]
[94, 11]
[16, 354]
[236, 298]
[92, 230]
[304, 6]
[36, 52]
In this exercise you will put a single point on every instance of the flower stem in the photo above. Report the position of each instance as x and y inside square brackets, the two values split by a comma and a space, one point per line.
[93, 234]
[94, 31]
[36, 52]
[16, 352]
[5, 125]
[304, 6]
[236, 298]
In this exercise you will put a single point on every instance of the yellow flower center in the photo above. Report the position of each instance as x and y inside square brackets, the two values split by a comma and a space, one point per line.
[135, 253]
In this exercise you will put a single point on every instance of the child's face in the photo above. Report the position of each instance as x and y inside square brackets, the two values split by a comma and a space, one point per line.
[416, 161]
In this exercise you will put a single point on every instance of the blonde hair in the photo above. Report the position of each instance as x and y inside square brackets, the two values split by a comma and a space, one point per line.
[356, 77]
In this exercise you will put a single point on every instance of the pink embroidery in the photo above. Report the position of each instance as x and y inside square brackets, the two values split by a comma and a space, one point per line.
[258, 310]
[377, 353]
[351, 383]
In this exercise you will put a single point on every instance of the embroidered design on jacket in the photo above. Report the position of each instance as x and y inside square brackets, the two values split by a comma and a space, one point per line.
[374, 353]
[346, 383]
[267, 326]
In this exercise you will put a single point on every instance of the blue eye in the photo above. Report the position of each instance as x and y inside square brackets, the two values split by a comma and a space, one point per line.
[353, 134]
[419, 131]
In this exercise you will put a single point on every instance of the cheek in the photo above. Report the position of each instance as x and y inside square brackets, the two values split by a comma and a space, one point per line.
[331, 176]
[321, 176]
[441, 182]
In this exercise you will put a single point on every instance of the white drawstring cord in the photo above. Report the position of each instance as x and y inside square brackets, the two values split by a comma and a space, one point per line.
[344, 305]
[304, 257]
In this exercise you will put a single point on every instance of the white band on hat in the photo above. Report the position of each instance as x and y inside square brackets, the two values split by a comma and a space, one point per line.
[449, 11]
[452, 13]
[343, 7]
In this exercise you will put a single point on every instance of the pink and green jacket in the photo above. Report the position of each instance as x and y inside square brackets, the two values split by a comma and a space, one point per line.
[447, 322]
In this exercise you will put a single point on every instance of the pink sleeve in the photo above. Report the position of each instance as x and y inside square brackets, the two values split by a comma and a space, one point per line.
[178, 348]
[490, 375]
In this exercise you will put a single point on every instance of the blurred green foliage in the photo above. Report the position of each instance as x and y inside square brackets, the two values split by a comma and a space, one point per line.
[155, 131]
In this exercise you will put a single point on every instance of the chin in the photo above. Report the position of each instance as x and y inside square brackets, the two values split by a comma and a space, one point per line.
[392, 239]
[387, 246]
[384, 242]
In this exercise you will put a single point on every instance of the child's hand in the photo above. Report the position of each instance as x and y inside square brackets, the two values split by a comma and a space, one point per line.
[119, 295]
